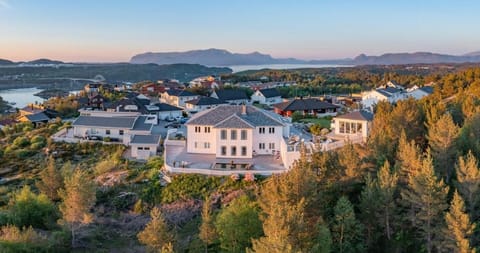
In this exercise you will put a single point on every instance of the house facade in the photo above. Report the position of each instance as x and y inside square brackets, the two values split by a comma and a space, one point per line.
[231, 96]
[202, 104]
[232, 131]
[268, 96]
[177, 97]
[353, 124]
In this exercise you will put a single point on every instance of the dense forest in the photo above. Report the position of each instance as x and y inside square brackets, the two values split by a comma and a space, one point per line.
[412, 187]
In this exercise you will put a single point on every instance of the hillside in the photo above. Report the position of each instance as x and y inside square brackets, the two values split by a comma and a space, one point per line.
[413, 58]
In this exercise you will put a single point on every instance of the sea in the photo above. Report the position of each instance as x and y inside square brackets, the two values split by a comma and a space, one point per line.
[21, 97]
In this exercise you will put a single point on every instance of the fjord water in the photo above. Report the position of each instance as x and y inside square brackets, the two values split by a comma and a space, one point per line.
[21, 97]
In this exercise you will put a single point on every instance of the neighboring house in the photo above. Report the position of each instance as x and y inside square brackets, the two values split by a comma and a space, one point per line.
[353, 124]
[202, 104]
[7, 122]
[177, 97]
[97, 101]
[36, 114]
[390, 94]
[231, 96]
[306, 106]
[152, 89]
[164, 111]
[232, 131]
[144, 146]
[419, 93]
[92, 88]
[131, 131]
[268, 96]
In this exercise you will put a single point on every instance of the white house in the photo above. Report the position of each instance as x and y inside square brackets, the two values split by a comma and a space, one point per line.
[231, 96]
[268, 96]
[390, 94]
[164, 111]
[353, 124]
[232, 131]
[177, 97]
[419, 93]
[202, 104]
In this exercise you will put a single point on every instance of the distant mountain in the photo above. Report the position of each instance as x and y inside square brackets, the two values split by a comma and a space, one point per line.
[476, 53]
[211, 57]
[44, 61]
[6, 62]
[412, 58]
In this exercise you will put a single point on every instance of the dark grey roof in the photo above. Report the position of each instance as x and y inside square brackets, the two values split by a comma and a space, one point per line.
[233, 121]
[37, 117]
[164, 107]
[270, 93]
[388, 91]
[115, 122]
[180, 93]
[228, 94]
[427, 89]
[254, 116]
[145, 139]
[357, 115]
[140, 124]
[304, 104]
[205, 101]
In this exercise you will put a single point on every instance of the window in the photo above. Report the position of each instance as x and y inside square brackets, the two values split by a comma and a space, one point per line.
[271, 145]
[195, 144]
[198, 129]
[107, 132]
[140, 148]
[261, 130]
[244, 151]
[206, 145]
[233, 134]
[223, 134]
[233, 151]
[342, 127]
[207, 129]
[146, 148]
[271, 130]
[261, 145]
[223, 150]
[120, 132]
[243, 134]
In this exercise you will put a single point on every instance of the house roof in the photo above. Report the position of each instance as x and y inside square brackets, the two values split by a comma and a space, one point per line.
[140, 124]
[32, 109]
[145, 139]
[254, 116]
[228, 94]
[164, 107]
[114, 122]
[37, 117]
[270, 93]
[357, 115]
[388, 91]
[427, 89]
[180, 93]
[233, 121]
[304, 104]
[205, 101]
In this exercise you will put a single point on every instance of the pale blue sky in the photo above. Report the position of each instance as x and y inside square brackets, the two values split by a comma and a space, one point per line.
[115, 30]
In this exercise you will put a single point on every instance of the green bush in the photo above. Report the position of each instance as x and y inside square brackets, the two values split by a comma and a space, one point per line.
[37, 145]
[189, 186]
[106, 139]
[38, 138]
[21, 142]
[23, 153]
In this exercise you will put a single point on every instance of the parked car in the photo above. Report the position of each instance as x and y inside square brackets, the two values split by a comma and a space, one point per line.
[183, 120]
[173, 125]
[170, 119]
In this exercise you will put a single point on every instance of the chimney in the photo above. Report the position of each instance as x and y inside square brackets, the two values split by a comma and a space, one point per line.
[244, 109]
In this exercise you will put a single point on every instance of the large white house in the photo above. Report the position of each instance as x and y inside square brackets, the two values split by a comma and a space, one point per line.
[232, 131]
[268, 96]
[392, 92]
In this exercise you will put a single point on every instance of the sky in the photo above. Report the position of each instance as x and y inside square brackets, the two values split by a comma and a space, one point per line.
[115, 30]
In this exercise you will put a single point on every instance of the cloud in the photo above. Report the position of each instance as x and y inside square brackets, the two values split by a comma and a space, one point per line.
[4, 4]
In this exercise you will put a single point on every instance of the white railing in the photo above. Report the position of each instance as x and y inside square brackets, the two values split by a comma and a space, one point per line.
[211, 172]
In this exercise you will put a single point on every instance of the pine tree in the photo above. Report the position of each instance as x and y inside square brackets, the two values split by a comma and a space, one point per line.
[323, 242]
[386, 188]
[350, 161]
[442, 137]
[427, 195]
[156, 235]
[51, 181]
[208, 233]
[368, 211]
[346, 230]
[78, 199]
[408, 159]
[459, 226]
[468, 181]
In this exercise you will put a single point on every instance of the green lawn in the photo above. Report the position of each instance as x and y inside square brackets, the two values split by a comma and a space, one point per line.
[325, 123]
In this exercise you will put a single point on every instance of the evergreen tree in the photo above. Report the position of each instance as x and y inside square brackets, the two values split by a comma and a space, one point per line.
[427, 195]
[156, 235]
[441, 137]
[346, 230]
[407, 116]
[238, 224]
[408, 159]
[386, 187]
[78, 199]
[51, 181]
[207, 234]
[468, 181]
[324, 239]
[368, 211]
[459, 228]
[350, 161]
